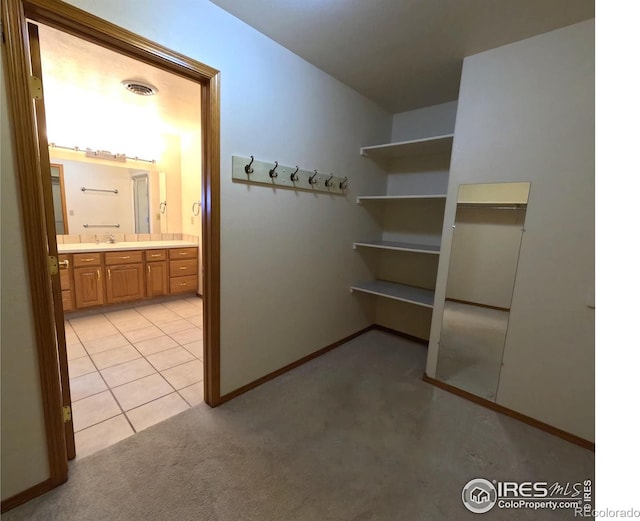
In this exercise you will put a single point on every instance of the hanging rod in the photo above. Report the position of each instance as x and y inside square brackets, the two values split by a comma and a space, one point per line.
[101, 226]
[114, 191]
[102, 154]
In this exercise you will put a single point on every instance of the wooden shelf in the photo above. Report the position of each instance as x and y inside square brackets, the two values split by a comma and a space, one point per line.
[398, 197]
[417, 147]
[400, 246]
[411, 294]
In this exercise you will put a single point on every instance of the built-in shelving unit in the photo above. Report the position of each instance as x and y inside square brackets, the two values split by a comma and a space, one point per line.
[399, 246]
[417, 147]
[411, 218]
[393, 290]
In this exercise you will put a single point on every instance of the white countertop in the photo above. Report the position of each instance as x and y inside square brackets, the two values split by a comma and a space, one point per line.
[123, 246]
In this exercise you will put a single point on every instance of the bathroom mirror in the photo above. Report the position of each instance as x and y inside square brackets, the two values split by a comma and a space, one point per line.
[485, 249]
[107, 199]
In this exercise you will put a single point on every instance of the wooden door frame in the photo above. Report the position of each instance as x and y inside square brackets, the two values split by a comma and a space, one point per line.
[64, 17]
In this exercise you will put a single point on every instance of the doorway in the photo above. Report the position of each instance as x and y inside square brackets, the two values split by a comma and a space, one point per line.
[37, 213]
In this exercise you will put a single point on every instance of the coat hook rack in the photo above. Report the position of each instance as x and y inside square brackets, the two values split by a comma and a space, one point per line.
[252, 171]
[247, 168]
[272, 172]
[328, 182]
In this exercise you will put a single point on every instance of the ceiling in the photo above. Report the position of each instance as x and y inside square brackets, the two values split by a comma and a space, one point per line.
[402, 54]
[87, 107]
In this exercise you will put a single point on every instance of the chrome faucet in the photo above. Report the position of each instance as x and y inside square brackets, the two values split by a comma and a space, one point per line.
[112, 239]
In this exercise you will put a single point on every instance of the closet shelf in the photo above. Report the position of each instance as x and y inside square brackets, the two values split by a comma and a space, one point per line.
[399, 246]
[398, 197]
[392, 290]
[417, 147]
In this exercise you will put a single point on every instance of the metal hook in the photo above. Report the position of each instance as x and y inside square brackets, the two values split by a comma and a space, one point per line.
[328, 182]
[195, 208]
[293, 176]
[312, 180]
[163, 206]
[272, 172]
[247, 168]
[343, 184]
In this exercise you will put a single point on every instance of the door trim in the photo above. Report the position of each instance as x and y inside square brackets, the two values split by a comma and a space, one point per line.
[72, 20]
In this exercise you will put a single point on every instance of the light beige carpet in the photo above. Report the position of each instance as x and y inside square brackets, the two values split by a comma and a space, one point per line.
[353, 435]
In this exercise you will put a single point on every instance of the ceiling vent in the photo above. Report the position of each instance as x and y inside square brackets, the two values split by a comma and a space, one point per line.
[140, 88]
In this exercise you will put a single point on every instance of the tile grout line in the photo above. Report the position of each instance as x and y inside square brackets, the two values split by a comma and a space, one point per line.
[144, 357]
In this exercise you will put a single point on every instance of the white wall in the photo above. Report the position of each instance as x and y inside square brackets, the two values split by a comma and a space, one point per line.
[170, 163]
[435, 120]
[526, 113]
[24, 450]
[191, 176]
[287, 260]
[284, 253]
[484, 256]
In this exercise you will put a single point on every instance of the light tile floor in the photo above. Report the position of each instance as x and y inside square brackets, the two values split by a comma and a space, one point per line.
[131, 368]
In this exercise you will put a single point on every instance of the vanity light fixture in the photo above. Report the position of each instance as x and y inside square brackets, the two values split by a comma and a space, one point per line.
[140, 88]
[103, 154]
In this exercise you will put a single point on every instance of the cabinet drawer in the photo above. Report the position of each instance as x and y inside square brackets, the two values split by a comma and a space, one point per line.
[180, 268]
[123, 257]
[86, 259]
[183, 253]
[181, 284]
[155, 255]
[67, 300]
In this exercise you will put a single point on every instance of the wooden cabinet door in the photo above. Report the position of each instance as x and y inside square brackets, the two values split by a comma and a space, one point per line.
[157, 279]
[125, 283]
[64, 263]
[88, 286]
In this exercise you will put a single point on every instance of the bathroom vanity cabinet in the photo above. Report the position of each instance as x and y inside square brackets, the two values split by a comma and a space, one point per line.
[97, 277]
